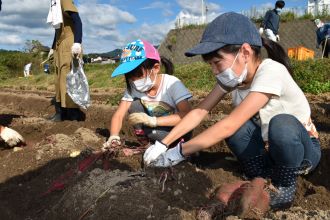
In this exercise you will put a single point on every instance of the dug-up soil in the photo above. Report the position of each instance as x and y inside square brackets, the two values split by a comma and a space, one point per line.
[59, 175]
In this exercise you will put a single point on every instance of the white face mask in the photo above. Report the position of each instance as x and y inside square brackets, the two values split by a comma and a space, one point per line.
[229, 78]
[144, 84]
[320, 25]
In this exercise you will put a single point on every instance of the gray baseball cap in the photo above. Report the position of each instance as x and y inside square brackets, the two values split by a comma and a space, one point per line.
[228, 28]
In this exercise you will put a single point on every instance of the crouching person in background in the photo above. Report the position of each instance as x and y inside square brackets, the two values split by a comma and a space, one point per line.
[155, 101]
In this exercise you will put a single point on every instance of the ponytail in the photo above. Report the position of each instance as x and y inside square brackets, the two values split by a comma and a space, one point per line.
[168, 65]
[277, 53]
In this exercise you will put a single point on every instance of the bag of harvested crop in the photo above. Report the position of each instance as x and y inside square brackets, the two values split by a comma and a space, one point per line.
[77, 85]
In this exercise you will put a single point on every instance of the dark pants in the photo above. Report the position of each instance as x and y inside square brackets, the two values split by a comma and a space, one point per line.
[158, 133]
[326, 48]
[289, 143]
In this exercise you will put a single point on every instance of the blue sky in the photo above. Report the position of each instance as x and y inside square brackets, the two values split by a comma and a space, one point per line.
[110, 24]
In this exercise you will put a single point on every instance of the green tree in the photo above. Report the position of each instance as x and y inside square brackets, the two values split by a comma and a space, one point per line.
[32, 46]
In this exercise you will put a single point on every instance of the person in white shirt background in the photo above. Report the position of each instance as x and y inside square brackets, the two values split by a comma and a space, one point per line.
[27, 69]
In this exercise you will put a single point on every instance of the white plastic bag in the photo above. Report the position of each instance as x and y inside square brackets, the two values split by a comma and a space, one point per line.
[77, 86]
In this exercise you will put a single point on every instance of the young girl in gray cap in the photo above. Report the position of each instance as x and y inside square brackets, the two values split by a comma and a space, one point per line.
[270, 130]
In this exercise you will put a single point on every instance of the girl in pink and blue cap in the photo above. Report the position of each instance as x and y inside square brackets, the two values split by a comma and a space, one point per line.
[155, 101]
[270, 130]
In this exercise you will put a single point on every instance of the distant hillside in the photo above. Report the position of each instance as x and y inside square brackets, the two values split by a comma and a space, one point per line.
[293, 34]
[112, 54]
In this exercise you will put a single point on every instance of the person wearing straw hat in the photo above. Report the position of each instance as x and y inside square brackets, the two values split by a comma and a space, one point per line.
[322, 37]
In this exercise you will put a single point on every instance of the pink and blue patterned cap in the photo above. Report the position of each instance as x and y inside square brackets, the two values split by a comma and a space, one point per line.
[133, 55]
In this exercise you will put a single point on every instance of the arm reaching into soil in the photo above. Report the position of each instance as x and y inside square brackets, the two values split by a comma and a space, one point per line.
[195, 116]
[214, 134]
[116, 124]
[10, 136]
[189, 122]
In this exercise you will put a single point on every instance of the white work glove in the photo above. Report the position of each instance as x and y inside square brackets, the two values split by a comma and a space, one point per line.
[76, 49]
[277, 38]
[11, 137]
[113, 141]
[261, 31]
[50, 54]
[169, 158]
[153, 152]
[142, 118]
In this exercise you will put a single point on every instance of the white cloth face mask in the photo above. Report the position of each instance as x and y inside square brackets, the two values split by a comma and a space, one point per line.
[229, 78]
[144, 84]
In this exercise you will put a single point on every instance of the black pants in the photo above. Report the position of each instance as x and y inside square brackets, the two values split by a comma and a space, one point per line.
[154, 134]
[326, 48]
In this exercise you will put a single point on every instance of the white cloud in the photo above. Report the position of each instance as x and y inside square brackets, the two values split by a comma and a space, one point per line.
[153, 33]
[22, 20]
[105, 26]
[161, 5]
[191, 12]
[195, 7]
[11, 40]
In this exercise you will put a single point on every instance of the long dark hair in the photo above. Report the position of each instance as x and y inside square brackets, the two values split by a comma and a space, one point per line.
[148, 64]
[274, 52]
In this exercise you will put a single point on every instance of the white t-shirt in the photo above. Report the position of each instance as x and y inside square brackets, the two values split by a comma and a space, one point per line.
[273, 78]
[170, 92]
[27, 67]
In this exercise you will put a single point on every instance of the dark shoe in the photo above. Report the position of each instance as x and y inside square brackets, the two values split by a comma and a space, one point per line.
[73, 114]
[58, 113]
[284, 179]
[56, 117]
[256, 167]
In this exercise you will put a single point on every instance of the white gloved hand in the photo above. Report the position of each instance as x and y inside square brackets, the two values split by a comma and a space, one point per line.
[169, 158]
[261, 31]
[50, 54]
[153, 152]
[277, 38]
[142, 118]
[11, 137]
[113, 141]
[76, 49]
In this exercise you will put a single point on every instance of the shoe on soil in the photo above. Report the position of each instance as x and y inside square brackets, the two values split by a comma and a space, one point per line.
[58, 113]
[284, 179]
[256, 167]
[73, 114]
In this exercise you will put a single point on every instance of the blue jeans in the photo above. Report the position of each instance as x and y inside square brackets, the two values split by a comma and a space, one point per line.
[289, 143]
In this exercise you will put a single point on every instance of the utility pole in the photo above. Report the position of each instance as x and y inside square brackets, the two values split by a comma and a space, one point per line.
[206, 10]
[202, 11]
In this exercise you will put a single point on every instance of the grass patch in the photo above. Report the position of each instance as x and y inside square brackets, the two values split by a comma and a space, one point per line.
[312, 76]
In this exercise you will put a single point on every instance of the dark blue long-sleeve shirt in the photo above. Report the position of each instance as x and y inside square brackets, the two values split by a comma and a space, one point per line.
[77, 28]
[271, 21]
[322, 32]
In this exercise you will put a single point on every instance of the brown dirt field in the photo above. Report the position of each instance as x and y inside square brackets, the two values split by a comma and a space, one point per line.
[120, 192]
